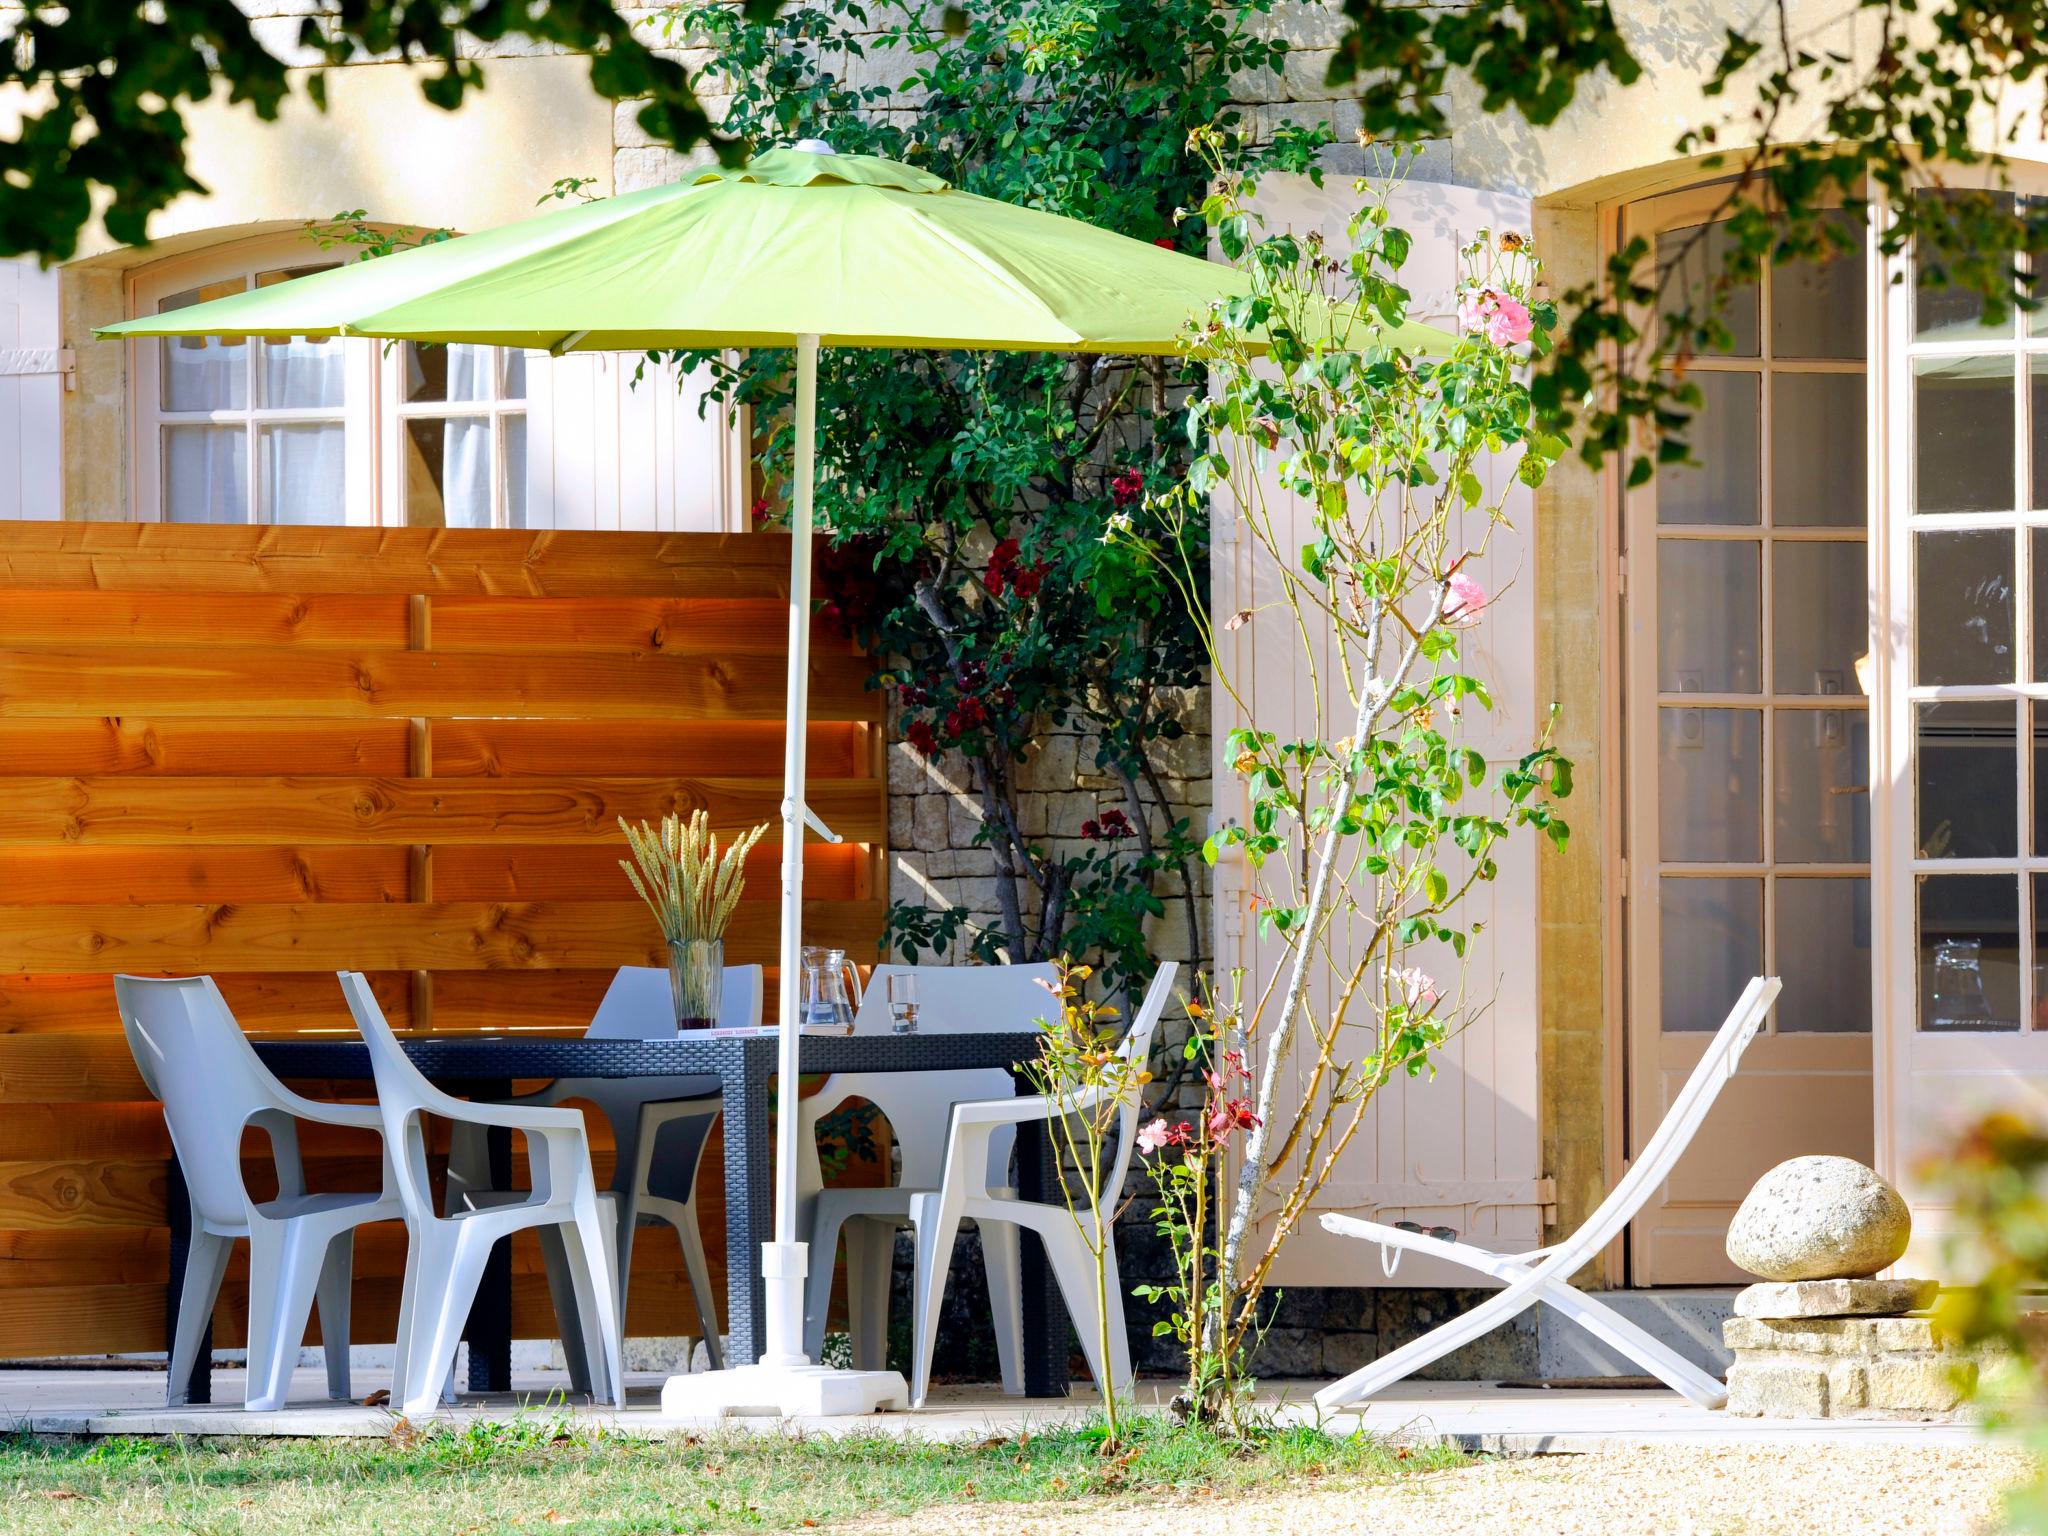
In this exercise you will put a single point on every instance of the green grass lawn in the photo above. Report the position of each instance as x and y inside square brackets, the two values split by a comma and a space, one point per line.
[535, 1475]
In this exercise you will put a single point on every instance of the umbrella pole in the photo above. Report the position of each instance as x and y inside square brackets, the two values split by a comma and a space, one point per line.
[784, 1382]
[783, 1261]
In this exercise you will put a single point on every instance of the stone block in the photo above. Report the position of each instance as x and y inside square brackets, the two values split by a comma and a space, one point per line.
[1835, 1298]
[1848, 1388]
[1777, 1391]
[635, 170]
[930, 829]
[1934, 1384]
[902, 822]
[1831, 1335]
[963, 822]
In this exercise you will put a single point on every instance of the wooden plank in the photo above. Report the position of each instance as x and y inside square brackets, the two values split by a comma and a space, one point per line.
[133, 875]
[273, 1004]
[139, 745]
[414, 936]
[498, 873]
[643, 748]
[657, 625]
[85, 1256]
[68, 1069]
[90, 682]
[222, 558]
[81, 1193]
[83, 1320]
[55, 1132]
[35, 619]
[116, 809]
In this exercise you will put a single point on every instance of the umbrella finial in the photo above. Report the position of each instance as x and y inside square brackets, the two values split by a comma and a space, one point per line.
[815, 147]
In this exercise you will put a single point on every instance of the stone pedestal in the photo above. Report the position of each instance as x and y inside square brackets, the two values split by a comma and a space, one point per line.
[1800, 1365]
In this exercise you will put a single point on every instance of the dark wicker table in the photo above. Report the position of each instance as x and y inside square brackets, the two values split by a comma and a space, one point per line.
[744, 1066]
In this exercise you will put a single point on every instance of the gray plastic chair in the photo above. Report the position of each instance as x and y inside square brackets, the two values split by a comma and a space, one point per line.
[966, 1192]
[195, 1060]
[954, 998]
[445, 1260]
[660, 1126]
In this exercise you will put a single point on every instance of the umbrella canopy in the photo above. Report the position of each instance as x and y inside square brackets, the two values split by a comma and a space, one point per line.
[855, 250]
[801, 248]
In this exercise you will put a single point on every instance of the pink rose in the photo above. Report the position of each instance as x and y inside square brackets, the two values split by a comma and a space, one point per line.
[1153, 1136]
[1509, 324]
[1463, 598]
[1417, 986]
[1472, 309]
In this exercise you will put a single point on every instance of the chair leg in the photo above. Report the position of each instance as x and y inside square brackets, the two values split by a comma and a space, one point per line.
[870, 1273]
[450, 1267]
[569, 1323]
[825, 1233]
[206, 1261]
[285, 1263]
[1073, 1267]
[332, 1295]
[936, 1222]
[1434, 1345]
[1618, 1333]
[592, 1267]
[1002, 1260]
[691, 1237]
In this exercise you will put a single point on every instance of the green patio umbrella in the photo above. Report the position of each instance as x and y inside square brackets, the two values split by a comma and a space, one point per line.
[801, 248]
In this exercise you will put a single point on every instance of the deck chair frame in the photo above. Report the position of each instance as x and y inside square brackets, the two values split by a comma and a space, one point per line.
[1542, 1275]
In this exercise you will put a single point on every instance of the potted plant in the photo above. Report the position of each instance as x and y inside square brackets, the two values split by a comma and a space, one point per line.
[692, 891]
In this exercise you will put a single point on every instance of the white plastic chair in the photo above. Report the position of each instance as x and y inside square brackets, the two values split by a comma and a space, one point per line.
[195, 1060]
[445, 1260]
[957, 998]
[637, 1006]
[1543, 1274]
[966, 1192]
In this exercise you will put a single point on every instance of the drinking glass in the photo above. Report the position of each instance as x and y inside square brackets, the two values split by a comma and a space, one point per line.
[903, 1001]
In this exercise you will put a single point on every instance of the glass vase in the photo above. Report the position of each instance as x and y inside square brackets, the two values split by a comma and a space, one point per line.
[696, 980]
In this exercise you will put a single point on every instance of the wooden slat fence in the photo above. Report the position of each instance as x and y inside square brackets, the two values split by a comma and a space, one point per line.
[270, 753]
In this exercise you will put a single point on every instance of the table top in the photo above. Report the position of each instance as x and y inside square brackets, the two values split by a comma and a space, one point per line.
[706, 1051]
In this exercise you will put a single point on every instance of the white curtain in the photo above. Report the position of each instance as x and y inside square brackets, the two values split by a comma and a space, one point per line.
[206, 475]
[466, 449]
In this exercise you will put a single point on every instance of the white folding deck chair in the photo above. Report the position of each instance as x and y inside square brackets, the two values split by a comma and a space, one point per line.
[1543, 1274]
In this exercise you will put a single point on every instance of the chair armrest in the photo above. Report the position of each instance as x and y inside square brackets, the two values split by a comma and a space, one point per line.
[361, 1117]
[1021, 1110]
[509, 1117]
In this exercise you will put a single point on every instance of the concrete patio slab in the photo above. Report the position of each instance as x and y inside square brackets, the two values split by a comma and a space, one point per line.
[1476, 1416]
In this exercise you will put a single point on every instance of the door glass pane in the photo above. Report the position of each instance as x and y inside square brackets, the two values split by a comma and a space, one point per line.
[1709, 789]
[1820, 616]
[514, 430]
[206, 475]
[1817, 306]
[2040, 750]
[1967, 760]
[2037, 415]
[1820, 790]
[2038, 546]
[515, 373]
[1819, 463]
[1969, 953]
[1710, 943]
[1709, 598]
[1943, 312]
[1824, 956]
[203, 373]
[1963, 585]
[1698, 255]
[304, 473]
[456, 372]
[1723, 488]
[1963, 434]
[447, 472]
[2040, 1020]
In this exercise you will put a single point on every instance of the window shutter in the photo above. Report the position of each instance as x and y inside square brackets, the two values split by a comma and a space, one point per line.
[1460, 1150]
[605, 452]
[33, 367]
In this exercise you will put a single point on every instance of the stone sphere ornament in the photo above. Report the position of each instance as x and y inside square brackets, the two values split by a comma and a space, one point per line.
[1819, 1218]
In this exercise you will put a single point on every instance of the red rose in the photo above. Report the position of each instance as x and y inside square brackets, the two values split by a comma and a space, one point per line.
[921, 737]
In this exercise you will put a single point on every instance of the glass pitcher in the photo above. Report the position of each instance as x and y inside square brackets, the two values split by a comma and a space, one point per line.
[825, 1000]
[1959, 1001]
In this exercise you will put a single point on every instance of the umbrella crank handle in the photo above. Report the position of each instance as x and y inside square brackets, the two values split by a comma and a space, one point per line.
[815, 822]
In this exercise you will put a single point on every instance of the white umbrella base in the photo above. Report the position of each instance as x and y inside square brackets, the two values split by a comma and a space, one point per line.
[782, 1391]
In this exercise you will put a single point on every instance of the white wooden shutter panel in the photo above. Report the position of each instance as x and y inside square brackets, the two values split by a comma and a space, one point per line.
[1461, 1149]
[602, 452]
[33, 365]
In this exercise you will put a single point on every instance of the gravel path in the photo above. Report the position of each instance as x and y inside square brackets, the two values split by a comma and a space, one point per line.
[1733, 1491]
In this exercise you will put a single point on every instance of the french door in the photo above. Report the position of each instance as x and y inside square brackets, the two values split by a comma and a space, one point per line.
[1747, 714]
[1964, 597]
